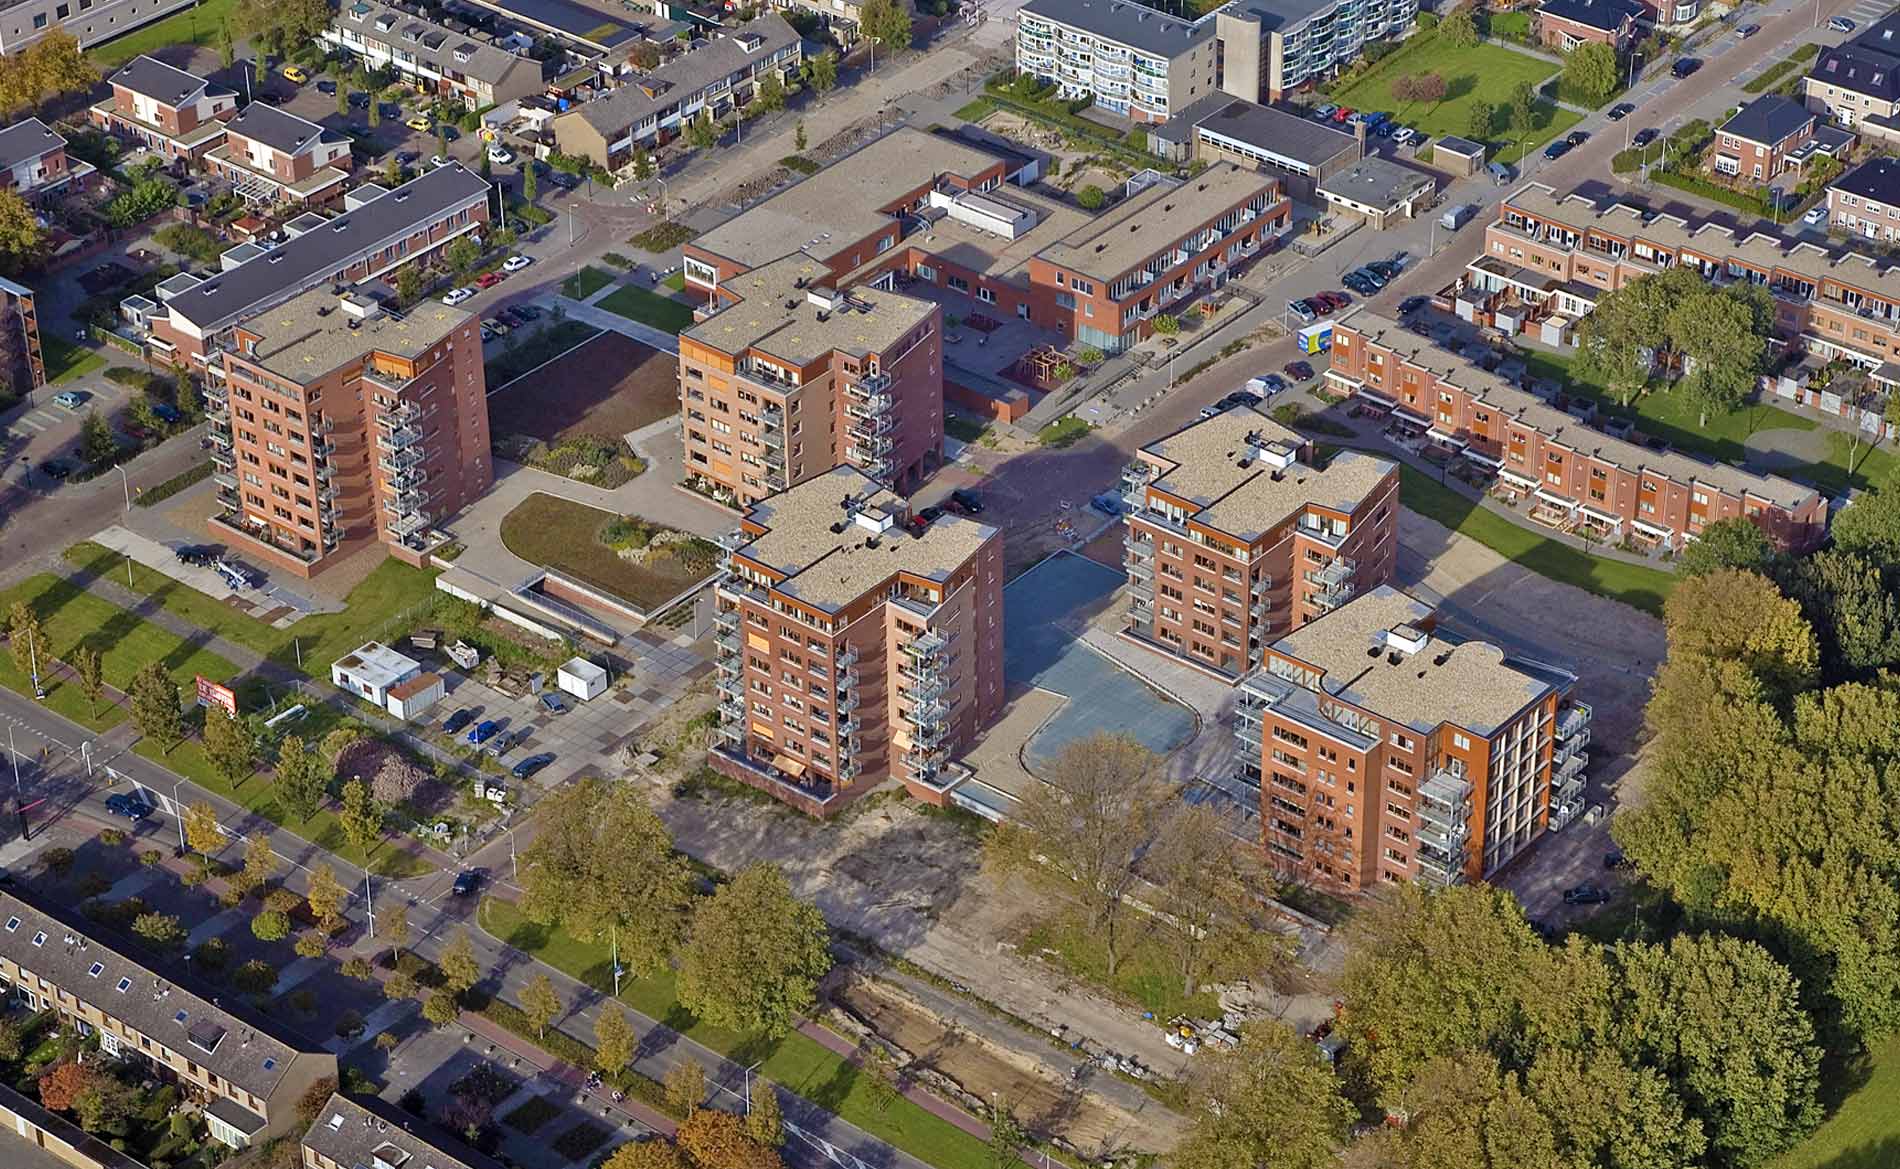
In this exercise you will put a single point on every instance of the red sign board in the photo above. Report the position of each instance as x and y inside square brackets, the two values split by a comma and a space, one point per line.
[212, 694]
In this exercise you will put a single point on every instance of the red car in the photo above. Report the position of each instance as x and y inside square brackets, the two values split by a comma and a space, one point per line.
[488, 279]
[1342, 113]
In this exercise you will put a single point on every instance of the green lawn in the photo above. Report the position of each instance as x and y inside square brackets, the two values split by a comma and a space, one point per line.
[1849, 465]
[1864, 1132]
[1062, 433]
[1484, 72]
[66, 361]
[194, 26]
[799, 1063]
[585, 283]
[637, 304]
[126, 643]
[676, 282]
[1642, 588]
[1146, 972]
[561, 534]
[392, 589]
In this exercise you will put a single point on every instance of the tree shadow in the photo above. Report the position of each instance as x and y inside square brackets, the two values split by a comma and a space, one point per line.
[1880, 1154]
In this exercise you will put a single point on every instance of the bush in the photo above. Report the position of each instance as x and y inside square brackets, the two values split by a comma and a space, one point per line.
[112, 837]
[1740, 200]
[617, 260]
[172, 486]
[255, 977]
[799, 163]
[193, 242]
[578, 1143]
[270, 926]
[151, 858]
[533, 1113]
[663, 237]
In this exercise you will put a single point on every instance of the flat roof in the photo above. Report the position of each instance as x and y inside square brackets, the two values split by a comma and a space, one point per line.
[582, 22]
[27, 140]
[1375, 182]
[1556, 425]
[1126, 23]
[1212, 464]
[1276, 15]
[686, 75]
[314, 256]
[377, 665]
[1132, 232]
[830, 560]
[312, 334]
[841, 204]
[1274, 131]
[776, 316]
[1466, 684]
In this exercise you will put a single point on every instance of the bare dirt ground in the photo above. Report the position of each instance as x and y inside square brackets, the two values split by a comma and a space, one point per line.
[575, 393]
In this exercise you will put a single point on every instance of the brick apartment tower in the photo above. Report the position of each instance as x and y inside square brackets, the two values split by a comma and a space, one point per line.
[335, 423]
[1237, 537]
[854, 644]
[1382, 751]
[788, 377]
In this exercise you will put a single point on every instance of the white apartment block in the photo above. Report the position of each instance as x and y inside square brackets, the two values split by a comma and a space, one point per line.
[1128, 58]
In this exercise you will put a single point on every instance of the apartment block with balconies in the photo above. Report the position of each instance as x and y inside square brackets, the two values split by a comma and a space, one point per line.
[854, 643]
[1382, 749]
[335, 424]
[786, 377]
[1236, 535]
[1128, 58]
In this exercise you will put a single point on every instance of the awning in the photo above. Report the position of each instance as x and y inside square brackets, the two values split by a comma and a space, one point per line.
[789, 765]
[1605, 516]
[1447, 439]
[1514, 477]
[1411, 416]
[1652, 529]
[1559, 500]
[1472, 454]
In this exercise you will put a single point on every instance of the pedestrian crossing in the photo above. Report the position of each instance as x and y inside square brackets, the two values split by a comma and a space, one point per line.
[37, 421]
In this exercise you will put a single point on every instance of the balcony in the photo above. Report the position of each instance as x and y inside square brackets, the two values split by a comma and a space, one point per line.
[865, 425]
[727, 640]
[726, 620]
[926, 646]
[402, 460]
[1338, 571]
[1574, 719]
[845, 704]
[732, 710]
[228, 481]
[407, 525]
[923, 685]
[775, 480]
[731, 679]
[772, 438]
[926, 711]
[398, 438]
[222, 457]
[1442, 868]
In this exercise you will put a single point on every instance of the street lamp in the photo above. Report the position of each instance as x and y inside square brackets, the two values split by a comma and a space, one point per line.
[125, 483]
[874, 41]
[178, 815]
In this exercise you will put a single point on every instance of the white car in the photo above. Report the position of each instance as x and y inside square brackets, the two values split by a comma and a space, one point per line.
[458, 296]
[1815, 217]
[515, 263]
[1404, 134]
[438, 160]
[499, 155]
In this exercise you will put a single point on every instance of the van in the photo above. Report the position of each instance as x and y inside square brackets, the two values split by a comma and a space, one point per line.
[237, 575]
[1458, 216]
[1500, 173]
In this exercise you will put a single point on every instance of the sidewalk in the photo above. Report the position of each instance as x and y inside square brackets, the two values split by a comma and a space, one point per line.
[601, 318]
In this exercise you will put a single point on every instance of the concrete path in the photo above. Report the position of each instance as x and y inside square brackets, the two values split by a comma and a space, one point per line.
[600, 318]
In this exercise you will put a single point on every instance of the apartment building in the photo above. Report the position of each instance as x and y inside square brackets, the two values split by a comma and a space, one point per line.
[935, 210]
[1236, 536]
[1272, 48]
[335, 423]
[174, 113]
[461, 66]
[89, 21]
[1771, 136]
[21, 366]
[787, 376]
[653, 108]
[249, 1076]
[274, 156]
[1565, 24]
[1298, 151]
[1557, 250]
[1577, 478]
[33, 162]
[367, 1133]
[1126, 57]
[1866, 200]
[855, 643]
[403, 226]
[1383, 749]
[1857, 83]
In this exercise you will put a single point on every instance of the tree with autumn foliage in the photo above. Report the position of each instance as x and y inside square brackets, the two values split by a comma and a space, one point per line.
[718, 1140]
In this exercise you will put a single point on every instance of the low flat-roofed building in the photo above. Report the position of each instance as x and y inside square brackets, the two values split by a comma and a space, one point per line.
[1461, 156]
[853, 644]
[1379, 191]
[371, 670]
[1300, 151]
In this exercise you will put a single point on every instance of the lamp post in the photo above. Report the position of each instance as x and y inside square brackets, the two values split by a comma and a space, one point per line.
[33, 655]
[178, 814]
[125, 484]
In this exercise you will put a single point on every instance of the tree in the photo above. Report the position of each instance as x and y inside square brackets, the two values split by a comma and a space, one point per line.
[399, 985]
[311, 1102]
[360, 816]
[1871, 525]
[654, 1154]
[1267, 1104]
[462, 256]
[1847, 599]
[12, 1040]
[440, 1008]
[392, 172]
[1430, 87]
[1478, 121]
[281, 23]
[260, 863]
[409, 284]
[889, 22]
[643, 169]
[21, 237]
[755, 955]
[1720, 338]
[227, 44]
[764, 1122]
[230, 746]
[458, 965]
[395, 927]
[602, 861]
[154, 700]
[822, 71]
[1091, 197]
[50, 67]
[798, 144]
[541, 1003]
[26, 641]
[528, 183]
[202, 831]
[1165, 324]
[685, 1085]
[1206, 898]
[1738, 616]
[61, 1084]
[1523, 107]
[702, 133]
[95, 438]
[613, 1040]
[270, 926]
[718, 1140]
[298, 780]
[1591, 72]
[1085, 828]
[106, 1104]
[1731, 543]
[312, 944]
[343, 100]
[326, 896]
[771, 95]
[1404, 89]
[1459, 28]
[1605, 1112]
[160, 929]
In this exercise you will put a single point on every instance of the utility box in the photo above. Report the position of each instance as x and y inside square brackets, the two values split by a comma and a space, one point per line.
[581, 678]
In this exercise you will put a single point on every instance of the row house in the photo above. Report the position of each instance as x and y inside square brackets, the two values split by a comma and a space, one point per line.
[1865, 202]
[335, 424]
[1126, 58]
[368, 1133]
[1770, 136]
[33, 162]
[22, 366]
[248, 1077]
[855, 644]
[407, 225]
[785, 376]
[1579, 478]
[1236, 536]
[178, 115]
[277, 157]
[433, 57]
[1830, 304]
[708, 81]
[1383, 750]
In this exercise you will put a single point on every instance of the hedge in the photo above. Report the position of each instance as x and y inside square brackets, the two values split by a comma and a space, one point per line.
[1720, 194]
[197, 473]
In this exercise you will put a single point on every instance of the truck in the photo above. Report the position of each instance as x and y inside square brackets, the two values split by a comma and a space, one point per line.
[1316, 337]
[1457, 216]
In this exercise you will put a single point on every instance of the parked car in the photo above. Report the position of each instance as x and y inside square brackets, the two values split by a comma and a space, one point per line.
[419, 124]
[466, 882]
[533, 763]
[327, 88]
[70, 399]
[553, 703]
[488, 279]
[358, 100]
[239, 575]
[1326, 111]
[966, 501]
[1339, 299]
[1412, 304]
[1386, 269]
[128, 805]
[1841, 24]
[1645, 137]
[1557, 150]
[1746, 31]
[1816, 216]
[437, 160]
[389, 109]
[1685, 66]
[495, 325]
[1586, 894]
[515, 263]
[458, 296]
[1302, 310]
[295, 74]
[500, 155]
[483, 731]
[564, 180]
[1404, 134]
[1343, 114]
[1109, 504]
[1373, 276]
[198, 555]
[1359, 283]
[1299, 371]
[522, 314]
[56, 469]
[1620, 110]
[1577, 137]
[457, 721]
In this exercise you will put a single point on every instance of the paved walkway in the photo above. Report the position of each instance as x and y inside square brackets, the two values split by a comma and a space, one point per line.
[600, 318]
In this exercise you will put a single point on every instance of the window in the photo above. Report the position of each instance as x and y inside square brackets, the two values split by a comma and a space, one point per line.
[125, 984]
[13, 923]
[95, 969]
[39, 939]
